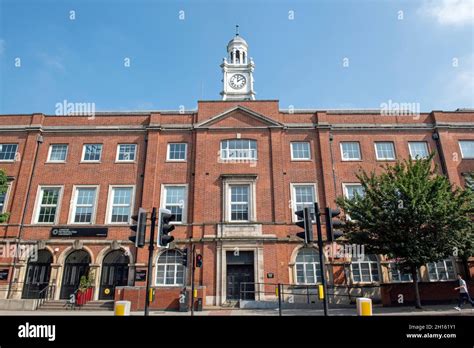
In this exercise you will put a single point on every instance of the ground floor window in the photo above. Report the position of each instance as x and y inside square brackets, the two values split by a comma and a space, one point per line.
[307, 266]
[398, 275]
[365, 270]
[170, 269]
[441, 270]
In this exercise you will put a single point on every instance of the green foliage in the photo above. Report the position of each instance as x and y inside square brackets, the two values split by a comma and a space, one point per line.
[3, 189]
[86, 282]
[411, 213]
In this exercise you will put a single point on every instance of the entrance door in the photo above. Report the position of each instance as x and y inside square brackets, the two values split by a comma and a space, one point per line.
[37, 275]
[240, 269]
[76, 265]
[114, 273]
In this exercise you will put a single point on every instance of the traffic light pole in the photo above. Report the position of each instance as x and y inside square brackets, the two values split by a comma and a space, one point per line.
[151, 248]
[321, 257]
[193, 254]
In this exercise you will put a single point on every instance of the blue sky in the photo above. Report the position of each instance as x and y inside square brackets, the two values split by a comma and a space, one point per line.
[423, 55]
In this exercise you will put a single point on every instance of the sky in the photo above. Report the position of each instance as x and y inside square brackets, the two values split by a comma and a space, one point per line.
[164, 55]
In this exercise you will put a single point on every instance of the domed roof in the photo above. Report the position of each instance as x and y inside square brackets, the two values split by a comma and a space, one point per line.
[237, 40]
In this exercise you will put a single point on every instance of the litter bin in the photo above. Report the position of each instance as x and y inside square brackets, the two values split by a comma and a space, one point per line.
[198, 305]
[183, 301]
[122, 308]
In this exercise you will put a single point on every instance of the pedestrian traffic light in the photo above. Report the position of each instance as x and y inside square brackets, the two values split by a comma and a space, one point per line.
[165, 227]
[305, 222]
[185, 257]
[198, 260]
[139, 228]
[332, 225]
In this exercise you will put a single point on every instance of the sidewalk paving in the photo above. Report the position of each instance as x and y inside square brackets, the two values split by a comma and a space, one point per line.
[435, 310]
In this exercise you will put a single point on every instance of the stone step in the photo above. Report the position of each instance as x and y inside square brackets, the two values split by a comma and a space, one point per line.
[64, 305]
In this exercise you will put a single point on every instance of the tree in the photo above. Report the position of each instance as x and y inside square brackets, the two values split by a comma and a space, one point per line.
[410, 213]
[3, 190]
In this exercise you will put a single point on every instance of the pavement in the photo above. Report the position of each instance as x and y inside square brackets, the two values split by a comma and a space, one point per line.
[435, 310]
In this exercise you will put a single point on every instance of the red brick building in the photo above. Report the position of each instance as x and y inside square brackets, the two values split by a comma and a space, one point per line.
[233, 171]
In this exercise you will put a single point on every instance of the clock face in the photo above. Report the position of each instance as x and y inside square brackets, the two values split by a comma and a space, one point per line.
[237, 81]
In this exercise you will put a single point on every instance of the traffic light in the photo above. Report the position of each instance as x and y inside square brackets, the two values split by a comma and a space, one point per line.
[185, 257]
[305, 223]
[139, 228]
[332, 225]
[198, 260]
[165, 227]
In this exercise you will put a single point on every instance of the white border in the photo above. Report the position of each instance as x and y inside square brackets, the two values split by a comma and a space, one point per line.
[73, 207]
[300, 159]
[421, 141]
[48, 160]
[293, 196]
[350, 159]
[385, 159]
[185, 207]
[125, 161]
[108, 213]
[38, 201]
[84, 152]
[460, 148]
[177, 160]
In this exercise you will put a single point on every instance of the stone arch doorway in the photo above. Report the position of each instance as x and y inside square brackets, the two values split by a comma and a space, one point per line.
[114, 273]
[76, 265]
[37, 275]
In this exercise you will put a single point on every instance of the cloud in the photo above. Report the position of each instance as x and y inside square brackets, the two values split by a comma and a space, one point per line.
[54, 62]
[449, 12]
[459, 83]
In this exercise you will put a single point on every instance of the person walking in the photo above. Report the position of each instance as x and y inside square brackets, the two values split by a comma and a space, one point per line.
[463, 293]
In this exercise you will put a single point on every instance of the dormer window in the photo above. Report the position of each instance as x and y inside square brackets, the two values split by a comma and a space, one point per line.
[239, 149]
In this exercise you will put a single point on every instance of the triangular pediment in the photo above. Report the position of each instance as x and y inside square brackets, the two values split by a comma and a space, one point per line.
[239, 117]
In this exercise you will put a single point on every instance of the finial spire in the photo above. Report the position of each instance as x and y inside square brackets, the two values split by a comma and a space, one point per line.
[237, 30]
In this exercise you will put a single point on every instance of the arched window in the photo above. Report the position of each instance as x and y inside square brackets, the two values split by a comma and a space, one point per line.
[170, 270]
[239, 149]
[365, 270]
[308, 269]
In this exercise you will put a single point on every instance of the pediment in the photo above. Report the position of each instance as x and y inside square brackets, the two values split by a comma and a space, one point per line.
[239, 117]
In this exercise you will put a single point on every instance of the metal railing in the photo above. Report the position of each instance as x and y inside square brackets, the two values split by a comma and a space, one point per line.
[46, 294]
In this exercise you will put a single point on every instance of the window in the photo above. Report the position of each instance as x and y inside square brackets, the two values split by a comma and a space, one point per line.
[57, 153]
[170, 269]
[300, 151]
[47, 205]
[8, 152]
[92, 152]
[442, 270]
[365, 270]
[308, 270]
[238, 149]
[384, 151]
[126, 152]
[468, 180]
[3, 203]
[176, 152]
[396, 275]
[350, 190]
[121, 204]
[175, 200]
[418, 149]
[350, 151]
[467, 148]
[303, 195]
[239, 202]
[84, 202]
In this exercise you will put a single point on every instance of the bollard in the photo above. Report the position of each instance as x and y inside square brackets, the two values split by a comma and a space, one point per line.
[321, 292]
[364, 306]
[122, 308]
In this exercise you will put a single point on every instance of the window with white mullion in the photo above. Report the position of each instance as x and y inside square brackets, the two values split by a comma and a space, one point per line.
[418, 149]
[304, 197]
[84, 205]
[385, 150]
[121, 204]
[48, 205]
[175, 200]
[238, 149]
[239, 202]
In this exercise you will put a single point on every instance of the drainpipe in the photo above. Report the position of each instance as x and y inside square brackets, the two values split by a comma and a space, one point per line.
[331, 138]
[39, 141]
[439, 149]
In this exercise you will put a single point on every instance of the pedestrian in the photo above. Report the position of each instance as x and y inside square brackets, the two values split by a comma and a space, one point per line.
[463, 293]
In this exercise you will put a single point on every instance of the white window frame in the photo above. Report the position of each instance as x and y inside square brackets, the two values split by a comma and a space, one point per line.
[391, 268]
[419, 142]
[84, 153]
[293, 197]
[460, 148]
[176, 265]
[385, 158]
[73, 207]
[37, 209]
[445, 270]
[118, 153]
[370, 262]
[300, 159]
[342, 151]
[177, 160]
[315, 264]
[250, 158]
[345, 185]
[227, 199]
[108, 217]
[185, 203]
[7, 197]
[14, 157]
[51, 149]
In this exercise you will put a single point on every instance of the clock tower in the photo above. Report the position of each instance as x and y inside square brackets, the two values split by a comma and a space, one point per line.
[237, 69]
